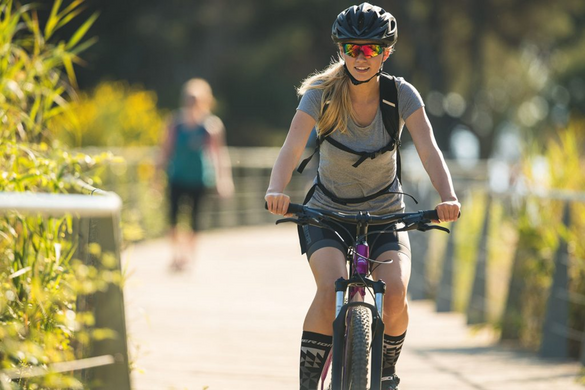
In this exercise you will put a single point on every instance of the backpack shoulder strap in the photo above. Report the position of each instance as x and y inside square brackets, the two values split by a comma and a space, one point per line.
[318, 141]
[390, 115]
[389, 105]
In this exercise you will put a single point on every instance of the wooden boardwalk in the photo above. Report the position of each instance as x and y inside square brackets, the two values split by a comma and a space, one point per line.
[233, 321]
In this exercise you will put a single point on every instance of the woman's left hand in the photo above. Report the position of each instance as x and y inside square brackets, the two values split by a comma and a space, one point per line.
[448, 211]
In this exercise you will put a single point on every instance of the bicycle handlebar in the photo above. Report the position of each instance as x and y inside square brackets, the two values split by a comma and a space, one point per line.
[419, 220]
[297, 209]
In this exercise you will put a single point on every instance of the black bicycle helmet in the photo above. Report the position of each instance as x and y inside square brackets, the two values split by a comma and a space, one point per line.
[365, 22]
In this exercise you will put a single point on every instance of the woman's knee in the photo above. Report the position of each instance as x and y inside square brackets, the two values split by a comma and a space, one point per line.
[395, 300]
[395, 310]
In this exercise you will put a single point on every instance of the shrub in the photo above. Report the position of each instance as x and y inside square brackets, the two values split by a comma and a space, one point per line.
[114, 114]
[556, 165]
[40, 280]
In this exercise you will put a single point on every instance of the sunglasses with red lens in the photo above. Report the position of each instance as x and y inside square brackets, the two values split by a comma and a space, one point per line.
[368, 50]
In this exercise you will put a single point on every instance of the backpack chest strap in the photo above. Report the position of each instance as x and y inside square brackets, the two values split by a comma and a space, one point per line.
[363, 199]
[363, 155]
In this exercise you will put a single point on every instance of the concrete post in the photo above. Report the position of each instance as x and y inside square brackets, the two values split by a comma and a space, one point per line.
[477, 307]
[444, 300]
[109, 312]
[419, 243]
[554, 339]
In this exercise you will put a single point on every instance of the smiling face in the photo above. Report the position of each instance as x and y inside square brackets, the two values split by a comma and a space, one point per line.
[363, 59]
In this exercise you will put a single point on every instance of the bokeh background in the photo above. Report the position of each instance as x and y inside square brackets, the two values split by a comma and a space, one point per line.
[493, 68]
[504, 86]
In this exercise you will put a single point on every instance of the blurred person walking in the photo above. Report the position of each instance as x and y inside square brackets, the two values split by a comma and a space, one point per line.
[196, 161]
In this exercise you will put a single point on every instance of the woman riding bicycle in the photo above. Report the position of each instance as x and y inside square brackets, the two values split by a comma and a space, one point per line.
[343, 103]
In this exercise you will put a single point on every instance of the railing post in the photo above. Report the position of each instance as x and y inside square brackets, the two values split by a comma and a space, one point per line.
[554, 339]
[477, 307]
[110, 312]
[444, 300]
[417, 287]
[84, 302]
[512, 317]
[583, 351]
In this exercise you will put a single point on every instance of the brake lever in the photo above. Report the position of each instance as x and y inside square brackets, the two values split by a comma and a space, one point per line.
[301, 220]
[425, 227]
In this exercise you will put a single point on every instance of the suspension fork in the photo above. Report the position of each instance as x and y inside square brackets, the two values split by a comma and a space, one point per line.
[355, 286]
[340, 329]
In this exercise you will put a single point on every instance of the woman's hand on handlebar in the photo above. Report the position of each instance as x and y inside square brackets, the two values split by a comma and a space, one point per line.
[277, 202]
[448, 211]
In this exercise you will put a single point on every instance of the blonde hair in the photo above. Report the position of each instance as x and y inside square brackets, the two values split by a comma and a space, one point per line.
[200, 90]
[335, 85]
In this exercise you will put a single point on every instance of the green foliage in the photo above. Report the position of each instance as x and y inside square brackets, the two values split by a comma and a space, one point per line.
[41, 281]
[116, 115]
[523, 240]
[558, 166]
[506, 59]
[113, 114]
[142, 190]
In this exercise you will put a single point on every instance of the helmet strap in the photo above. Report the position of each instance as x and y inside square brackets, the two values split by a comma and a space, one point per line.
[355, 81]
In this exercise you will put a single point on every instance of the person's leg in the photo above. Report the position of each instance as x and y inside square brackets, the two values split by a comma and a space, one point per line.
[395, 272]
[174, 195]
[196, 197]
[327, 265]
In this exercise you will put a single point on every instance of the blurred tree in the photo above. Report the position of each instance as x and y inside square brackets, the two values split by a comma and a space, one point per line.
[487, 65]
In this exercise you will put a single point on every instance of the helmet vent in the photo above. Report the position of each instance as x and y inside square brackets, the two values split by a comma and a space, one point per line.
[365, 22]
[360, 22]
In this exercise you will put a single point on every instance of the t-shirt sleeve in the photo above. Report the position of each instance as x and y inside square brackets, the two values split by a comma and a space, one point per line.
[311, 103]
[409, 99]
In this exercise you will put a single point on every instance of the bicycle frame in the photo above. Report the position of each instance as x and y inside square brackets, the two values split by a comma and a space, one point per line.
[350, 292]
[353, 291]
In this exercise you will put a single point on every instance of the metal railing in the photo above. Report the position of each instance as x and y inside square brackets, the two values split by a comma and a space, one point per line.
[97, 220]
[556, 331]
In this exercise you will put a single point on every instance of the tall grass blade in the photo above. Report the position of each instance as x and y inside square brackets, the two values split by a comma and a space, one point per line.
[79, 34]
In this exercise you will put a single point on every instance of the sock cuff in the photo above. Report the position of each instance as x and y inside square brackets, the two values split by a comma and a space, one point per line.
[316, 338]
[394, 339]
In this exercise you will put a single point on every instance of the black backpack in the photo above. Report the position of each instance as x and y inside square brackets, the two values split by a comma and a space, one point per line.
[391, 118]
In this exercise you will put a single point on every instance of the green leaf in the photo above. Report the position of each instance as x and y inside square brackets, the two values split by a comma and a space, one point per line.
[70, 8]
[78, 35]
[68, 64]
[53, 19]
[67, 18]
[82, 47]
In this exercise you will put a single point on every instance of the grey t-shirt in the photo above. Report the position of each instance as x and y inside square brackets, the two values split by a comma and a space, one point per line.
[335, 165]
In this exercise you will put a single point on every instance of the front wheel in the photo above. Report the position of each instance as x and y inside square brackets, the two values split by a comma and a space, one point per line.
[357, 349]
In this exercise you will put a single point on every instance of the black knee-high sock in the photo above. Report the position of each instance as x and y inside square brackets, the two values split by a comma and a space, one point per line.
[392, 348]
[314, 350]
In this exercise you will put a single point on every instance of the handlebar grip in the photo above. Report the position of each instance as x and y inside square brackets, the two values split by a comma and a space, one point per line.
[431, 214]
[294, 208]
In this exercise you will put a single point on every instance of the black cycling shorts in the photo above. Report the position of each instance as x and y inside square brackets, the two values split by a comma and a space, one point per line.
[313, 238]
[192, 195]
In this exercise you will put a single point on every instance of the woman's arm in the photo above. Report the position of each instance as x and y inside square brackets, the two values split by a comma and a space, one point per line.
[220, 159]
[432, 159]
[168, 144]
[286, 162]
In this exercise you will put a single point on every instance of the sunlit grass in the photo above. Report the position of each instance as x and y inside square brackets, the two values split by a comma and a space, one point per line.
[41, 278]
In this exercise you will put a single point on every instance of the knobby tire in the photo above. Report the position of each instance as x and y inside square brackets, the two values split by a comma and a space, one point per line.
[358, 349]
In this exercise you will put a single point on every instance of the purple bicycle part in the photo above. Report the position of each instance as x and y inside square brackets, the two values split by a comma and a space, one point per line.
[360, 267]
[356, 294]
